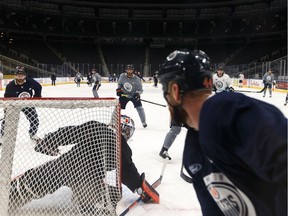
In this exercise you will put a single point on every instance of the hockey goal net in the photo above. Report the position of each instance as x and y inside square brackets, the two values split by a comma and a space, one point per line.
[60, 156]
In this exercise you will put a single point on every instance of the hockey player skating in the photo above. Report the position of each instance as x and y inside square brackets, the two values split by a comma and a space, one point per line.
[96, 79]
[78, 78]
[89, 79]
[268, 80]
[241, 80]
[24, 87]
[155, 80]
[169, 139]
[129, 89]
[81, 167]
[236, 146]
[221, 80]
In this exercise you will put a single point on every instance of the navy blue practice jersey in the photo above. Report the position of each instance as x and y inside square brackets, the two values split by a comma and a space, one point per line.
[238, 158]
[30, 88]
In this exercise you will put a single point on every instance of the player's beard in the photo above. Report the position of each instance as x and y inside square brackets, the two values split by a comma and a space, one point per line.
[178, 114]
[129, 74]
[20, 81]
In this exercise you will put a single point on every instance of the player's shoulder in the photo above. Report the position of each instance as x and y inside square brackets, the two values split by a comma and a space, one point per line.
[30, 80]
[136, 77]
[11, 83]
[122, 75]
[226, 99]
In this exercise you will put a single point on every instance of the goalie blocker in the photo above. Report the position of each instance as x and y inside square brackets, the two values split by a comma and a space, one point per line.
[64, 170]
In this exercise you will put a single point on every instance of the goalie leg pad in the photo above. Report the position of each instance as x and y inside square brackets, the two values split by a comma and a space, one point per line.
[20, 193]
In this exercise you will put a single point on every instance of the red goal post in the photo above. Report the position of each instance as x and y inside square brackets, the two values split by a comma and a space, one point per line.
[60, 156]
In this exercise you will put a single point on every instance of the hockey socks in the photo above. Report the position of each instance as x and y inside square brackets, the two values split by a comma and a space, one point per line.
[147, 192]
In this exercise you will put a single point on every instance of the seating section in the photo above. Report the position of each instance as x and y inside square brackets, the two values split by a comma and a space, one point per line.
[116, 56]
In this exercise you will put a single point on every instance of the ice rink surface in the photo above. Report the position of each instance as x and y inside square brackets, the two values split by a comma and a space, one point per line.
[176, 196]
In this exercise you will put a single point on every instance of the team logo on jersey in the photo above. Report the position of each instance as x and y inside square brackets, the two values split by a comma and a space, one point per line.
[268, 78]
[194, 168]
[230, 199]
[127, 86]
[24, 95]
[219, 84]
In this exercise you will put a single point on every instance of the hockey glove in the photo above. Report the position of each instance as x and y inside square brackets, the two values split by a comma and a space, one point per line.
[147, 192]
[119, 92]
[136, 96]
[46, 148]
[231, 89]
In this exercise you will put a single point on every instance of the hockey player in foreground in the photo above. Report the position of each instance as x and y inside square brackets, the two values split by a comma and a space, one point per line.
[81, 167]
[236, 146]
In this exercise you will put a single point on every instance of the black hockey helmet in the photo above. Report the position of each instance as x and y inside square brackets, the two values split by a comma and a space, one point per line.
[189, 68]
[20, 70]
[220, 66]
[129, 67]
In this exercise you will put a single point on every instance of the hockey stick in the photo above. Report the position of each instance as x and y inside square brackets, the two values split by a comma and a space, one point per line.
[125, 95]
[252, 91]
[153, 103]
[154, 185]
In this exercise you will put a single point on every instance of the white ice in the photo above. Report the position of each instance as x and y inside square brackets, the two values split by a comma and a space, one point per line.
[176, 196]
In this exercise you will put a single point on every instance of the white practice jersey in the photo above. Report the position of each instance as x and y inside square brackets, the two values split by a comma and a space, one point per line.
[221, 83]
[241, 77]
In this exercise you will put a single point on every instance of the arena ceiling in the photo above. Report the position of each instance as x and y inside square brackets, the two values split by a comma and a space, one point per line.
[138, 22]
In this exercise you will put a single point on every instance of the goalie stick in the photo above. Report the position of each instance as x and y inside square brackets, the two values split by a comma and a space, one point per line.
[252, 91]
[154, 185]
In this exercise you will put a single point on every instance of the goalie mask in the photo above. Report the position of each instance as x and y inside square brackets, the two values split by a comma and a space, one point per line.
[127, 126]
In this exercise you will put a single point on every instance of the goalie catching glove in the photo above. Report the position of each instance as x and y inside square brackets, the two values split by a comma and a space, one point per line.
[147, 192]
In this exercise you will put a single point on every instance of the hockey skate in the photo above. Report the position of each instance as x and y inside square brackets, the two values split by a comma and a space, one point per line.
[147, 192]
[46, 148]
[164, 153]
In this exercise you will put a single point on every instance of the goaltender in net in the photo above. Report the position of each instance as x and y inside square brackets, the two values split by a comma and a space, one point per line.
[81, 167]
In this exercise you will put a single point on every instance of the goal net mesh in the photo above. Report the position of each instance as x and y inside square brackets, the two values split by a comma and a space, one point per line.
[60, 156]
